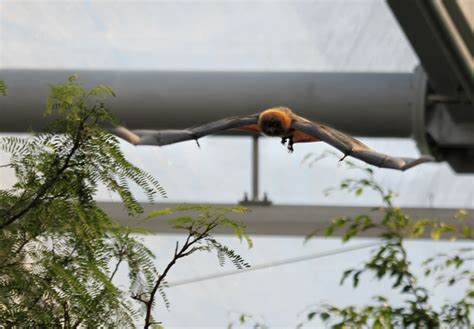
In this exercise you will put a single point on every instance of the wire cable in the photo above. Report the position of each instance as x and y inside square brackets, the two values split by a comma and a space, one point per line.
[273, 264]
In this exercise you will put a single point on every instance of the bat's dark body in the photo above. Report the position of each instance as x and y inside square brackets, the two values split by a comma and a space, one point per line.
[276, 122]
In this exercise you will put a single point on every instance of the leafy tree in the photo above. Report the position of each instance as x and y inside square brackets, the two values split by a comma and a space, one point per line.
[59, 251]
[390, 261]
[55, 242]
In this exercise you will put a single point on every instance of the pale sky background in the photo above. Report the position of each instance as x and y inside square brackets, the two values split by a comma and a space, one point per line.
[323, 35]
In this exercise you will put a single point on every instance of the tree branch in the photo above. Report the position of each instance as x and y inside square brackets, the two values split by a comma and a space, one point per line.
[177, 255]
[116, 268]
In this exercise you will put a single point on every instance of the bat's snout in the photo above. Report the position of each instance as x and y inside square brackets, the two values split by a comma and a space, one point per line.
[271, 131]
[272, 128]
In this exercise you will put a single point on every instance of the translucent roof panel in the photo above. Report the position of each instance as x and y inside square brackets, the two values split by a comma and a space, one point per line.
[319, 35]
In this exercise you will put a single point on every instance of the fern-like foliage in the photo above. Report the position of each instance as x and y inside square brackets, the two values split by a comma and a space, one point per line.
[56, 244]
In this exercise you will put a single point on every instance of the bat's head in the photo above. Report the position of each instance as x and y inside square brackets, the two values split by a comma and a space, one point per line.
[275, 122]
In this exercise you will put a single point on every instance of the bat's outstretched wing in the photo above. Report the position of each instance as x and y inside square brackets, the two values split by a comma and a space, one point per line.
[352, 147]
[165, 137]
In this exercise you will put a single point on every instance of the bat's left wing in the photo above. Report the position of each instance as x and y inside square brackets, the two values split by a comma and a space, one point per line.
[352, 147]
[165, 137]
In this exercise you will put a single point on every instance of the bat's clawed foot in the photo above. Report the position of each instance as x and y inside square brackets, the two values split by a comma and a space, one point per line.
[290, 145]
[197, 142]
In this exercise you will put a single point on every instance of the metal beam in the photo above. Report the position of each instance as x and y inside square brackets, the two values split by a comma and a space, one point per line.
[449, 70]
[364, 104]
[280, 220]
[460, 20]
[444, 121]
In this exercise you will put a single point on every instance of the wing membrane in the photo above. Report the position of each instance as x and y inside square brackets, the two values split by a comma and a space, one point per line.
[166, 137]
[355, 148]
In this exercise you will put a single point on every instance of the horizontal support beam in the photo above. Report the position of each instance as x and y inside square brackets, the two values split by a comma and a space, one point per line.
[364, 104]
[281, 220]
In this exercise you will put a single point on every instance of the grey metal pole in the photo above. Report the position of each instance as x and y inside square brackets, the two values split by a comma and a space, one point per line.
[255, 165]
[364, 104]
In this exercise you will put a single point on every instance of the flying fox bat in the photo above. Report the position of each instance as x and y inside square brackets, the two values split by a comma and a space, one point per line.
[276, 122]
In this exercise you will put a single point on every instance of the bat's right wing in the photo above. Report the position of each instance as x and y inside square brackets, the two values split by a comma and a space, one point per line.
[352, 147]
[165, 137]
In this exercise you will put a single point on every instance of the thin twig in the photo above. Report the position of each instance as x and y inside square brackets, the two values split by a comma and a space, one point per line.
[177, 255]
[116, 268]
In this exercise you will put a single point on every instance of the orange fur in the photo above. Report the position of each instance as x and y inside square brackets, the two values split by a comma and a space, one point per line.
[283, 114]
[286, 117]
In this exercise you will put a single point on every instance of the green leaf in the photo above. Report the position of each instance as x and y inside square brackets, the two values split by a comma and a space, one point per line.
[345, 275]
[324, 316]
[419, 227]
[352, 231]
[239, 210]
[73, 78]
[377, 324]
[160, 212]
[355, 278]
[467, 232]
[328, 231]
[181, 221]
[311, 315]
[3, 88]
[460, 215]
[188, 207]
[436, 233]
